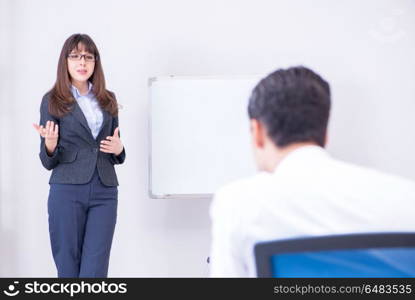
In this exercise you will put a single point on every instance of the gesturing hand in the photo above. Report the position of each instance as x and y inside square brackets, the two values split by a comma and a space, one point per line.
[51, 134]
[112, 144]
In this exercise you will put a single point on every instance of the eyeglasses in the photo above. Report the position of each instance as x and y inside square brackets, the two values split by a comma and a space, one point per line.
[88, 57]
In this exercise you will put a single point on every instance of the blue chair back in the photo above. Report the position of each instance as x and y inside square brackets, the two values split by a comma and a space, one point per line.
[354, 255]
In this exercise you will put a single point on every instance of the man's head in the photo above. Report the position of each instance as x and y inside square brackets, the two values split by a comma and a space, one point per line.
[288, 108]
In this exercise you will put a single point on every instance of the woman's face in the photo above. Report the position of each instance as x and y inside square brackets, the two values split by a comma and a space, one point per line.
[80, 64]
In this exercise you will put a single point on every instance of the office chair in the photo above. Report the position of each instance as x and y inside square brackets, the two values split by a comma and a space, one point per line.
[351, 255]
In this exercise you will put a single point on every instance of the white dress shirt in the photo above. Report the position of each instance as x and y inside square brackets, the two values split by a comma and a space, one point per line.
[91, 109]
[309, 194]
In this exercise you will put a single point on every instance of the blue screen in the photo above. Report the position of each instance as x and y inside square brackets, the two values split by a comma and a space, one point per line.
[379, 262]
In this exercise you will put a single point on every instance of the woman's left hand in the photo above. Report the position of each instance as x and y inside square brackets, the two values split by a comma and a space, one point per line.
[112, 144]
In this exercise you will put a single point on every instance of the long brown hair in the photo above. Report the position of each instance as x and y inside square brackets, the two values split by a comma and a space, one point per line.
[61, 98]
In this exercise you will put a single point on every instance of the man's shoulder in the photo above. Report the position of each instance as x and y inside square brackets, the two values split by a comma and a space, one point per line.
[372, 176]
[246, 186]
[240, 195]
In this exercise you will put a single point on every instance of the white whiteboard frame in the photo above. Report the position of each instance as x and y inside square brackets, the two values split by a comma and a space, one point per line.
[151, 80]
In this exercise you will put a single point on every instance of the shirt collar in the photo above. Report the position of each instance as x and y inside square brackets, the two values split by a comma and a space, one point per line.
[301, 157]
[77, 94]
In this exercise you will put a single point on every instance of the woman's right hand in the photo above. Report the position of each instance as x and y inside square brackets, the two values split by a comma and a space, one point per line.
[51, 134]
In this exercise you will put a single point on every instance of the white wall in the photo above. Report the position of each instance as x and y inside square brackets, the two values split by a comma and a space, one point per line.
[140, 39]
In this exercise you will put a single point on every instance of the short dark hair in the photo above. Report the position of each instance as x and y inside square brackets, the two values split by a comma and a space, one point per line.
[294, 106]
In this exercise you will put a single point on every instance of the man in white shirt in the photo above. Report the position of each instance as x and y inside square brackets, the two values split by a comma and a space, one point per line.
[301, 190]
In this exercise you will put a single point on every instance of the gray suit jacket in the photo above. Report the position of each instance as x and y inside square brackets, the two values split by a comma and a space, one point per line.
[77, 154]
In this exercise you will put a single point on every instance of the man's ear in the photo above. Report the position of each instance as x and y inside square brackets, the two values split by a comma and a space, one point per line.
[326, 138]
[258, 133]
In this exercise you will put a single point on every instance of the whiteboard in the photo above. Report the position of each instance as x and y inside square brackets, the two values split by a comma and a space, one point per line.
[199, 134]
[200, 140]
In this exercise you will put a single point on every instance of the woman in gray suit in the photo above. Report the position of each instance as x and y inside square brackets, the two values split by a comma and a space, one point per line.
[80, 142]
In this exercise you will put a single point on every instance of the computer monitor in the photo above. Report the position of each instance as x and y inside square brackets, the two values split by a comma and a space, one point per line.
[353, 255]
